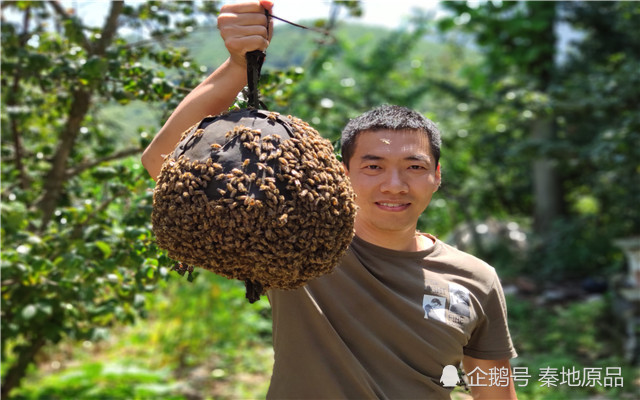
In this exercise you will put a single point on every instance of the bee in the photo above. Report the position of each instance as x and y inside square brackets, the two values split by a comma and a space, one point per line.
[272, 197]
[215, 146]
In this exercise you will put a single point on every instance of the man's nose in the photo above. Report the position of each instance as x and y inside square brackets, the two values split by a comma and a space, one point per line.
[394, 183]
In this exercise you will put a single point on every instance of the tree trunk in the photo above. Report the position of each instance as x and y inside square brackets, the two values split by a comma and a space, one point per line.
[55, 179]
[546, 189]
[19, 369]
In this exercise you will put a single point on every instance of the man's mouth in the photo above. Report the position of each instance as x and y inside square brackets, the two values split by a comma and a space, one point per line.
[389, 206]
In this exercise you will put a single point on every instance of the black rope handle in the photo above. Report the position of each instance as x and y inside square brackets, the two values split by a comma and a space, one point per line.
[255, 59]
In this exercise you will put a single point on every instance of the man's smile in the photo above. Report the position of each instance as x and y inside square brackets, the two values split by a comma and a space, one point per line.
[392, 206]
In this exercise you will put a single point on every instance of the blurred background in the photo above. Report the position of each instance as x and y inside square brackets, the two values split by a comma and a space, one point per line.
[539, 106]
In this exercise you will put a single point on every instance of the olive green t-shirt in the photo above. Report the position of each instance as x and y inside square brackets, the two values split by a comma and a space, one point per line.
[385, 323]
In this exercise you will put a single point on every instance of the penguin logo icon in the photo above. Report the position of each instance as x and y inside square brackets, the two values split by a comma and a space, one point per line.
[449, 376]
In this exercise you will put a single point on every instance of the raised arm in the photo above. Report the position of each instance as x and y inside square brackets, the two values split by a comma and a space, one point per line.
[243, 28]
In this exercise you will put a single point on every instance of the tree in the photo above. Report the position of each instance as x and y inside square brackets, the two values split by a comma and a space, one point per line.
[519, 42]
[572, 119]
[599, 104]
[78, 253]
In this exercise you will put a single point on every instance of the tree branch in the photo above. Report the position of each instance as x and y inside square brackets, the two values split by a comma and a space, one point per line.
[55, 179]
[12, 102]
[78, 169]
[57, 7]
[110, 27]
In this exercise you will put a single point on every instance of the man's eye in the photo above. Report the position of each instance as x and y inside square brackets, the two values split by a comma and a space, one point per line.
[372, 167]
[417, 167]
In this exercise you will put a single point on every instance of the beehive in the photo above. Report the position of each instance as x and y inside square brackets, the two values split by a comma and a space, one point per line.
[255, 196]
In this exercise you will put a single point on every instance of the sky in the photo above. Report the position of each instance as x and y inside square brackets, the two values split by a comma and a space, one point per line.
[389, 13]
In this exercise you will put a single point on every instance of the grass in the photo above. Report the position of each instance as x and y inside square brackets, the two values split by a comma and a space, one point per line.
[203, 340]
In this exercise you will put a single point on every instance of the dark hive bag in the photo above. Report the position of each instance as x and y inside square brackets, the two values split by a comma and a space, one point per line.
[256, 196]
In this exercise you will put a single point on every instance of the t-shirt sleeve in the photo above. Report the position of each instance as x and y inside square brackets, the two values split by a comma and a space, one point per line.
[491, 340]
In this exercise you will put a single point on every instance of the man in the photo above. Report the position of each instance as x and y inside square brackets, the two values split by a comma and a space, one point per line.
[369, 329]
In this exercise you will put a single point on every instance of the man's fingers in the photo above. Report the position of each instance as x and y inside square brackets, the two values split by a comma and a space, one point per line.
[267, 4]
[228, 31]
[239, 8]
[244, 44]
[242, 19]
[245, 27]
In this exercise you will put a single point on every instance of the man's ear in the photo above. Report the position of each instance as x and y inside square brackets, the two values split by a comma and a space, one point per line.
[438, 177]
[346, 169]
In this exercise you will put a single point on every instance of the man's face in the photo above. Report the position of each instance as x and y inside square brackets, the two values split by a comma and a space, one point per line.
[394, 176]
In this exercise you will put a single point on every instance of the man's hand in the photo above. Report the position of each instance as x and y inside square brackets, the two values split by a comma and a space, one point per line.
[244, 27]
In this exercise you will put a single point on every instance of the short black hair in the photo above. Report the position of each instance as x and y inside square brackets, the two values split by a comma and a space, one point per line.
[389, 117]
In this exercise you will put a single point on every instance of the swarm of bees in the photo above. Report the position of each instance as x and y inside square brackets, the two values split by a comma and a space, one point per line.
[255, 196]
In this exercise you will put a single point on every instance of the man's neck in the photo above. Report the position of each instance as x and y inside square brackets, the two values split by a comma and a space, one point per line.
[408, 240]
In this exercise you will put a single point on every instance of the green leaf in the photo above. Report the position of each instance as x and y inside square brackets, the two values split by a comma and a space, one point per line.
[29, 312]
[104, 172]
[46, 309]
[104, 247]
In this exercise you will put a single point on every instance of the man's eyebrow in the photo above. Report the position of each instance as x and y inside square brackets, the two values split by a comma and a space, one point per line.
[416, 157]
[419, 157]
[371, 157]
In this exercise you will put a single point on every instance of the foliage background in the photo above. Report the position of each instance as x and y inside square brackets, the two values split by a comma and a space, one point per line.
[89, 307]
